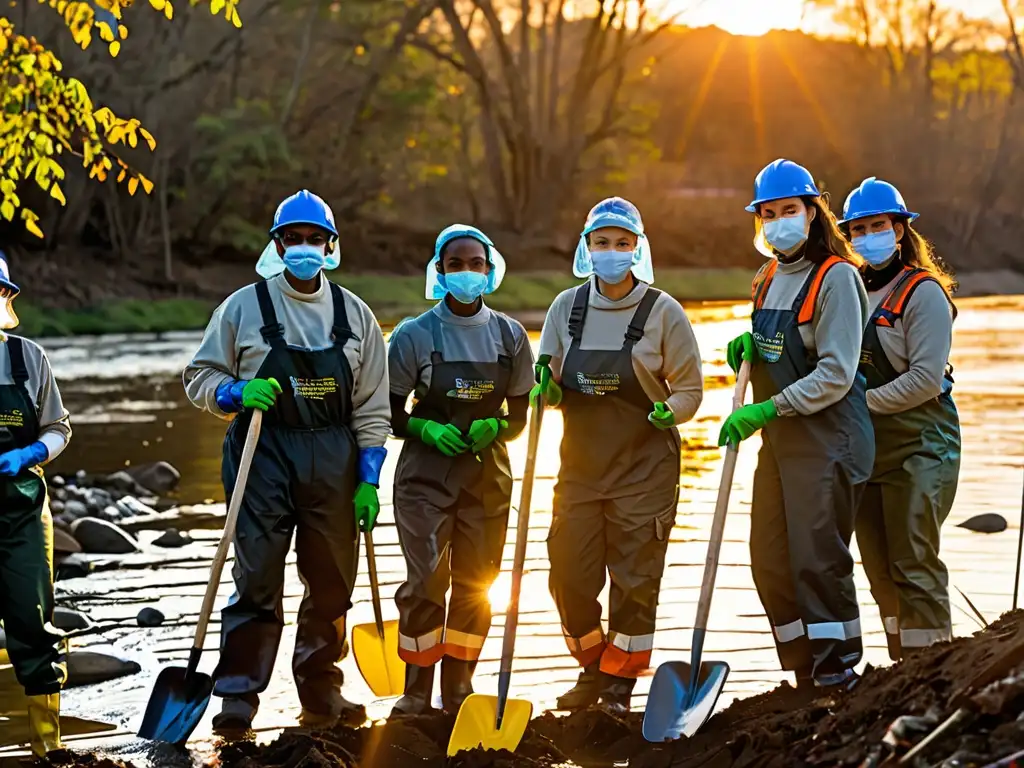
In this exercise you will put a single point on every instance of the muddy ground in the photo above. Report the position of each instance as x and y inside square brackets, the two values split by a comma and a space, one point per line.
[983, 674]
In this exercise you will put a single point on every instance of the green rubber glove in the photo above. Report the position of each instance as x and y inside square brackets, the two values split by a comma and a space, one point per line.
[260, 393]
[367, 506]
[745, 421]
[546, 383]
[483, 432]
[741, 348]
[444, 437]
[662, 416]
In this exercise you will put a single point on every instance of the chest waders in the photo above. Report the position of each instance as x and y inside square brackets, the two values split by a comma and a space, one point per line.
[614, 506]
[26, 544]
[909, 496]
[303, 480]
[452, 518]
[811, 473]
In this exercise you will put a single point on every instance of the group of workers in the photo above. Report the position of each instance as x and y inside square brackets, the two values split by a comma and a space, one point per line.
[849, 346]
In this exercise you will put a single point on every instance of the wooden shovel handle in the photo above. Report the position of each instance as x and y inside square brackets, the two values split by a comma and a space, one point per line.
[237, 493]
[371, 568]
[707, 587]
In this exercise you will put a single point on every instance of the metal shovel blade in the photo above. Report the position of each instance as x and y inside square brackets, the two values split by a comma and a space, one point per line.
[674, 707]
[476, 721]
[176, 705]
[377, 658]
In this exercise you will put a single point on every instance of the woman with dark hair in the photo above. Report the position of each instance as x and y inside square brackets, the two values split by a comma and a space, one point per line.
[905, 360]
[817, 449]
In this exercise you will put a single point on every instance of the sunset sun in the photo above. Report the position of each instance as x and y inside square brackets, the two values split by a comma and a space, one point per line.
[741, 17]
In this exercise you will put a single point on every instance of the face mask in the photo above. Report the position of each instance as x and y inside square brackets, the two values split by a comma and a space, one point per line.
[304, 261]
[465, 287]
[877, 248]
[612, 266]
[786, 235]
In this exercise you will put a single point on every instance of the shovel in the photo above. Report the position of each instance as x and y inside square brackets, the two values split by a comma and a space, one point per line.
[497, 722]
[181, 695]
[683, 696]
[375, 646]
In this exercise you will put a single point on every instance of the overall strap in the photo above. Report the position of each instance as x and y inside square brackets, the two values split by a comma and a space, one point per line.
[272, 331]
[808, 296]
[578, 313]
[341, 331]
[437, 353]
[895, 303]
[16, 350]
[762, 280]
[508, 341]
[635, 330]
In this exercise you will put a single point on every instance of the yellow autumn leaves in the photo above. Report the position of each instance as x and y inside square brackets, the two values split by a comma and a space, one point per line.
[44, 115]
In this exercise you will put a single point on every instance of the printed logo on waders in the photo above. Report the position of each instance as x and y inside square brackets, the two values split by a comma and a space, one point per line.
[597, 383]
[770, 350]
[471, 389]
[13, 418]
[313, 389]
[866, 358]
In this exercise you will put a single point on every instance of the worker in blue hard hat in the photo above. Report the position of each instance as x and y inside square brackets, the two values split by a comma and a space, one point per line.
[905, 359]
[34, 430]
[311, 355]
[470, 371]
[620, 359]
[817, 448]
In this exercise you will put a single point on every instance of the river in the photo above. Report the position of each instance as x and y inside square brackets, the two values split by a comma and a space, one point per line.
[128, 406]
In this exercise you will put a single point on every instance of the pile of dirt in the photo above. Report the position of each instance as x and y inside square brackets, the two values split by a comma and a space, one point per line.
[65, 758]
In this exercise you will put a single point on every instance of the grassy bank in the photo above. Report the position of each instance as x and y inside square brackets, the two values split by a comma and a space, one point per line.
[392, 297]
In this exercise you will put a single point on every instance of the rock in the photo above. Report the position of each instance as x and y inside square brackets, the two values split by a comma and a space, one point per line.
[101, 537]
[73, 567]
[123, 484]
[74, 509]
[89, 667]
[172, 539]
[58, 494]
[990, 522]
[62, 523]
[132, 507]
[56, 506]
[66, 619]
[63, 541]
[97, 499]
[150, 617]
[110, 514]
[159, 477]
[80, 476]
[56, 481]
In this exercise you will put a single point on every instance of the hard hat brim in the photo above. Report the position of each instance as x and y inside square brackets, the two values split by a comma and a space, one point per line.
[317, 224]
[908, 215]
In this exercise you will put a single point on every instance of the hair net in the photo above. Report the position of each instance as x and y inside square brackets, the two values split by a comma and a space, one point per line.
[436, 288]
[615, 212]
[270, 264]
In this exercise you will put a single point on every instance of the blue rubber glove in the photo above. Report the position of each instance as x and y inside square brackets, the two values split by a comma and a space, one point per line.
[741, 348]
[234, 395]
[745, 421]
[546, 384]
[14, 462]
[662, 416]
[367, 506]
[371, 460]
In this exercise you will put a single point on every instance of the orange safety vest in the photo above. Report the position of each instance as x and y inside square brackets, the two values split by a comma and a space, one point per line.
[763, 279]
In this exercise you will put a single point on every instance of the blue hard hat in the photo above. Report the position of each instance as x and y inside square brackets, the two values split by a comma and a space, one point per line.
[5, 276]
[614, 212]
[781, 179]
[873, 198]
[304, 208]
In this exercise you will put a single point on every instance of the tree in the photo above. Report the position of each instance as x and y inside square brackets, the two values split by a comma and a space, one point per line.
[46, 114]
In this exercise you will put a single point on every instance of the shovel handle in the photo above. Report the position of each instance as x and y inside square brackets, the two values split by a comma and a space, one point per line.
[508, 644]
[707, 587]
[237, 494]
[371, 568]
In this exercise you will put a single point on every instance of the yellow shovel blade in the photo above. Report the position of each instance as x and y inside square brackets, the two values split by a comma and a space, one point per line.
[377, 658]
[474, 726]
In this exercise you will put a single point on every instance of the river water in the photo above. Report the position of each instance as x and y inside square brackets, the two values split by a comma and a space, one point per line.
[128, 406]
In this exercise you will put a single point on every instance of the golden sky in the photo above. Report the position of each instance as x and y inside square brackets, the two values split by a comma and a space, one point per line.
[755, 17]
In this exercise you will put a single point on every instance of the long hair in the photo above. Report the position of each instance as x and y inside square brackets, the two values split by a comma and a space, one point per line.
[915, 251]
[825, 239]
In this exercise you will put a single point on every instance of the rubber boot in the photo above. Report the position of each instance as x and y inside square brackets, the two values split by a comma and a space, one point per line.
[341, 711]
[456, 682]
[615, 694]
[44, 723]
[586, 691]
[235, 716]
[419, 684]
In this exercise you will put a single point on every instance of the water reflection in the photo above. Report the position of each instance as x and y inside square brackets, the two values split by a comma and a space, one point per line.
[120, 420]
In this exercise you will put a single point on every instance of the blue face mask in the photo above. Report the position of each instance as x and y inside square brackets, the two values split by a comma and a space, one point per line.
[465, 287]
[877, 248]
[612, 266]
[786, 235]
[304, 261]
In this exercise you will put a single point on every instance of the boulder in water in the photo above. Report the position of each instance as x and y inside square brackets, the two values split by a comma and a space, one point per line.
[129, 506]
[67, 620]
[124, 484]
[63, 541]
[172, 539]
[159, 477]
[74, 509]
[73, 567]
[103, 538]
[89, 668]
[97, 499]
[990, 522]
[150, 617]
